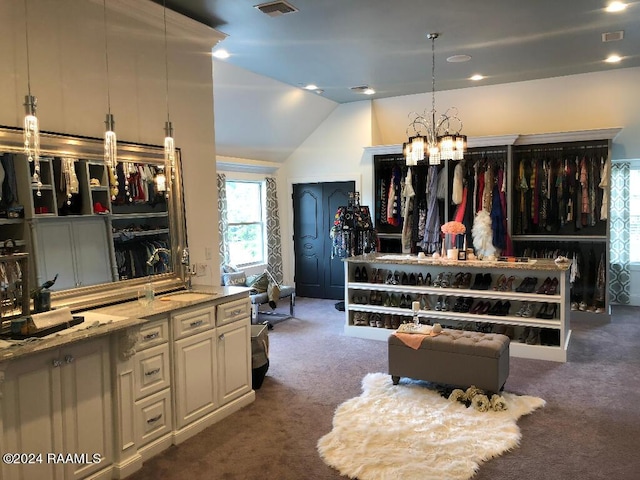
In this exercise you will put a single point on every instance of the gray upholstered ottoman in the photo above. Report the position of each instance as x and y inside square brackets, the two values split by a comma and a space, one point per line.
[454, 357]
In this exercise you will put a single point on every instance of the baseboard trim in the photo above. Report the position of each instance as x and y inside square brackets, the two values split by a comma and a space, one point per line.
[127, 467]
[197, 426]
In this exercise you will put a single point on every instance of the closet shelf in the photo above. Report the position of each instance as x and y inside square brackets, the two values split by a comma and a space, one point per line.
[129, 216]
[559, 238]
[146, 233]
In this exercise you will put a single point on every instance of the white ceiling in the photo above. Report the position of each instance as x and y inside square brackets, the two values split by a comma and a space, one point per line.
[338, 44]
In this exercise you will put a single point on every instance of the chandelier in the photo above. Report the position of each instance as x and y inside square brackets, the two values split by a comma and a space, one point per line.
[437, 136]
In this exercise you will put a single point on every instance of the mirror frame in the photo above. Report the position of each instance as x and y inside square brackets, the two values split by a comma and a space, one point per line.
[89, 148]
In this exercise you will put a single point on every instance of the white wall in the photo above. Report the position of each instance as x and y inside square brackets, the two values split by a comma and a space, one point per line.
[68, 76]
[581, 102]
[562, 104]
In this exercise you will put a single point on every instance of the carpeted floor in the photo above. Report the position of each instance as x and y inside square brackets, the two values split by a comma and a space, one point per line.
[588, 428]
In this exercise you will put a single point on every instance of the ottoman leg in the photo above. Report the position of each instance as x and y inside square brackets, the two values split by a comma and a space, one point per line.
[395, 379]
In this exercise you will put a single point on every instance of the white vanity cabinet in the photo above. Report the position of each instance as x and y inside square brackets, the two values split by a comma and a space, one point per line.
[234, 350]
[59, 402]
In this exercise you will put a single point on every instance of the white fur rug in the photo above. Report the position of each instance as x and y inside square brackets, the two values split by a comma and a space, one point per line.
[409, 431]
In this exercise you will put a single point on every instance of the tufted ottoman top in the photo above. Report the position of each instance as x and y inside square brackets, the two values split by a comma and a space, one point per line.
[479, 344]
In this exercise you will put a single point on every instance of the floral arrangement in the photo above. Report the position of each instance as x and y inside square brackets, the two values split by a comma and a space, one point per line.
[453, 228]
[476, 398]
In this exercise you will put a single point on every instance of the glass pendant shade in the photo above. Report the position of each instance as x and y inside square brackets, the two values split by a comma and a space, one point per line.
[110, 143]
[417, 148]
[169, 153]
[32, 138]
[161, 181]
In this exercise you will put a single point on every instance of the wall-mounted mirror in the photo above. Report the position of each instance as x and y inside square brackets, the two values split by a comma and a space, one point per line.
[100, 243]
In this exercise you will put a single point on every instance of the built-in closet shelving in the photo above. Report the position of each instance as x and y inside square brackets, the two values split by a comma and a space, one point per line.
[586, 239]
[75, 225]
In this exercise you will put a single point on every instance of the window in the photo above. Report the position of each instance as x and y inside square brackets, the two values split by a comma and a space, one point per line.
[246, 219]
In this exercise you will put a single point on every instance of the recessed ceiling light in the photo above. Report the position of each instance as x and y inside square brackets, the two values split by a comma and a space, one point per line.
[221, 54]
[458, 58]
[310, 86]
[364, 89]
[476, 77]
[613, 59]
[616, 7]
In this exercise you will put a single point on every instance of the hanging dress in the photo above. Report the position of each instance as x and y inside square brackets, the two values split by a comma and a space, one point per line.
[431, 239]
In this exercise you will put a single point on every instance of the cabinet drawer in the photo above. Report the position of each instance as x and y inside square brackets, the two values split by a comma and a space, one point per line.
[152, 373]
[193, 321]
[153, 417]
[232, 311]
[153, 333]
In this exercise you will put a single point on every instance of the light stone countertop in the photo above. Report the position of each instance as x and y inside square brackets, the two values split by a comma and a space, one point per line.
[543, 264]
[107, 320]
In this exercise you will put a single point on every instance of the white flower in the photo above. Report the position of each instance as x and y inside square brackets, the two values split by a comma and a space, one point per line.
[457, 395]
[498, 403]
[472, 391]
[481, 403]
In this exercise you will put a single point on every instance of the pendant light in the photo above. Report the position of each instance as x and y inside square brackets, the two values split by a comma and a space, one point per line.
[31, 127]
[437, 137]
[169, 144]
[110, 140]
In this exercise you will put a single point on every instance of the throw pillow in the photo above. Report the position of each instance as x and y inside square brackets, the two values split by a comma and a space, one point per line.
[228, 268]
[234, 279]
[258, 282]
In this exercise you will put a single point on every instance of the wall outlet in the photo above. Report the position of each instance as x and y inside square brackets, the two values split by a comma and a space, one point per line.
[201, 269]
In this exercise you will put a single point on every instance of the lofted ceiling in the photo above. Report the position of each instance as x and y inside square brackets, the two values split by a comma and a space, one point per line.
[338, 44]
[263, 114]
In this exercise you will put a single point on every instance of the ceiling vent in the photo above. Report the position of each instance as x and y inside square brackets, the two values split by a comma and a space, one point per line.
[275, 9]
[613, 36]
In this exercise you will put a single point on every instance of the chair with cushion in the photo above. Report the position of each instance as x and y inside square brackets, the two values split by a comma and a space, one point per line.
[264, 289]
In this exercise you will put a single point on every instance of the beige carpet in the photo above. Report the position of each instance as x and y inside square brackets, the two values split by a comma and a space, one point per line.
[410, 431]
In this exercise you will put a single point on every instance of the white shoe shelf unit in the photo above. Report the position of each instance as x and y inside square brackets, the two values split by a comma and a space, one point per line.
[543, 334]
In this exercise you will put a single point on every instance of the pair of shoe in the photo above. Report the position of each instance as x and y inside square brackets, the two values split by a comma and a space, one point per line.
[360, 298]
[393, 278]
[547, 311]
[528, 285]
[482, 282]
[462, 280]
[405, 301]
[463, 304]
[548, 287]
[526, 310]
[361, 275]
[500, 309]
[375, 298]
[442, 305]
[504, 284]
[425, 304]
[481, 308]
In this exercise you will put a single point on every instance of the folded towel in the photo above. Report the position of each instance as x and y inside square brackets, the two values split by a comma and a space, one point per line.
[413, 340]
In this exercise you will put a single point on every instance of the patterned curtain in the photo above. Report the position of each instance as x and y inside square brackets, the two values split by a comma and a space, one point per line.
[274, 241]
[223, 225]
[620, 275]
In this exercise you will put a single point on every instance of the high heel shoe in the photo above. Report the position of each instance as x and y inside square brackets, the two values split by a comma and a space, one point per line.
[357, 275]
[544, 287]
[364, 276]
[508, 285]
[502, 280]
[486, 281]
[550, 313]
[466, 281]
[427, 280]
[457, 280]
[542, 312]
[477, 284]
[523, 285]
[553, 287]
[446, 280]
[438, 306]
[438, 280]
[504, 311]
[497, 307]
[420, 279]
[476, 309]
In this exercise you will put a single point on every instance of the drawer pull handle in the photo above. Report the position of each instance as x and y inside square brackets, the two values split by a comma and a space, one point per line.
[197, 323]
[151, 336]
[236, 312]
[56, 363]
[155, 419]
[152, 372]
[69, 358]
[221, 337]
